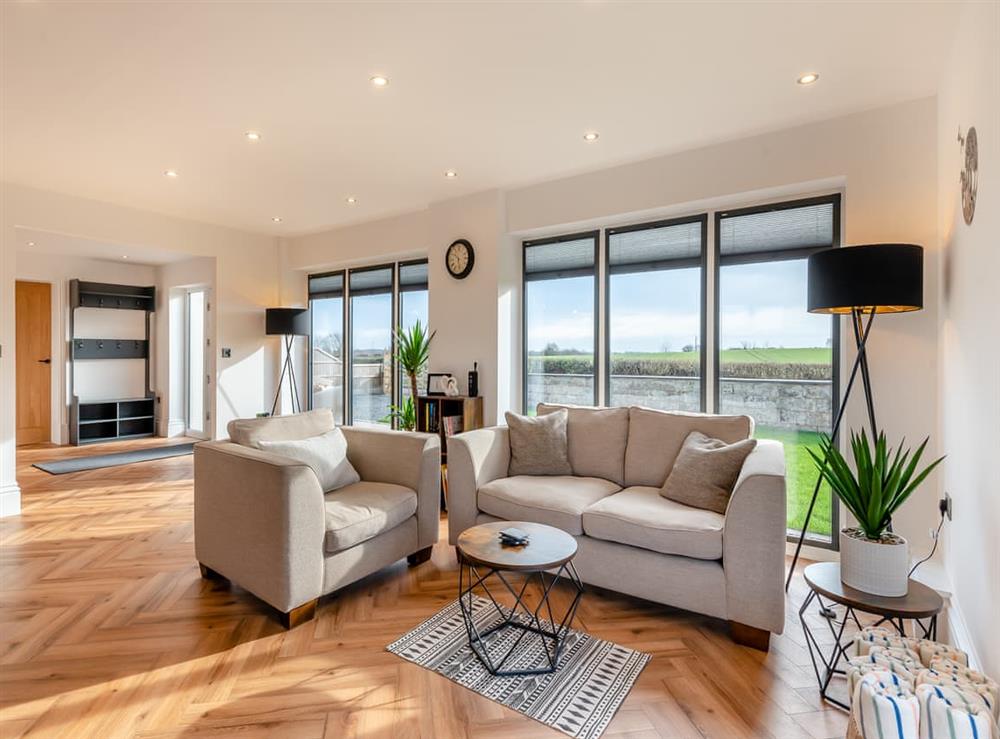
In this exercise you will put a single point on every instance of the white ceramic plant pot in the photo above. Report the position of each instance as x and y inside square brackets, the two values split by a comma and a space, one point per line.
[879, 568]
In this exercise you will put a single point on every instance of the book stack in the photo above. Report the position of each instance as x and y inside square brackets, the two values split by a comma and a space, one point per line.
[452, 425]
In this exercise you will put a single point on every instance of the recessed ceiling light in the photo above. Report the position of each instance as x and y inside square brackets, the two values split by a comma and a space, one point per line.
[171, 173]
[379, 80]
[276, 219]
[124, 256]
[451, 174]
[252, 135]
[31, 243]
[591, 136]
[351, 200]
[808, 78]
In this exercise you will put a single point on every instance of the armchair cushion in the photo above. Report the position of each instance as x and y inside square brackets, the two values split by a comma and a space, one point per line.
[641, 517]
[326, 454]
[556, 500]
[364, 510]
[250, 431]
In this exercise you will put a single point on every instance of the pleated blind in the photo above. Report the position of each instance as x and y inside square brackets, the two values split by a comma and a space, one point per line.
[326, 286]
[413, 276]
[800, 227]
[560, 258]
[654, 246]
[371, 280]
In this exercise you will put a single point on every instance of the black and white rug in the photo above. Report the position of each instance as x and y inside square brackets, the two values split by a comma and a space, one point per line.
[579, 699]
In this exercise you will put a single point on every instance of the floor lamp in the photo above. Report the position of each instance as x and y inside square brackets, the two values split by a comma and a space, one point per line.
[861, 281]
[289, 323]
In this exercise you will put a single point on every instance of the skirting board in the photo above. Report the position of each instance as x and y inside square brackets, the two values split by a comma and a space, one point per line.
[958, 633]
[10, 500]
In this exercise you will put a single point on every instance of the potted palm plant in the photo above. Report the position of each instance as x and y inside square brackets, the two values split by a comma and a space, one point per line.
[413, 348]
[872, 558]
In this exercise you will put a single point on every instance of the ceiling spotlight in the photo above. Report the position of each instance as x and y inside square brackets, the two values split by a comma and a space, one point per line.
[276, 219]
[451, 174]
[124, 256]
[379, 81]
[31, 243]
[808, 79]
[351, 200]
[252, 135]
[171, 173]
[591, 136]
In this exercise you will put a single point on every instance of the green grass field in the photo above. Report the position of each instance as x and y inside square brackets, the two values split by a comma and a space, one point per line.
[801, 478]
[811, 355]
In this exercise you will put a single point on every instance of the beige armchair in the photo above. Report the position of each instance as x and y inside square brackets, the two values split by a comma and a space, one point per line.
[262, 520]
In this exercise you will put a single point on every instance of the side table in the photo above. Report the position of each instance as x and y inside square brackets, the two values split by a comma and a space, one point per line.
[920, 603]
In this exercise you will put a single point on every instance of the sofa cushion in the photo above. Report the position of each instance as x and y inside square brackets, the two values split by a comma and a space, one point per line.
[326, 454]
[705, 472]
[655, 438]
[364, 510]
[596, 439]
[250, 431]
[641, 517]
[538, 445]
[554, 500]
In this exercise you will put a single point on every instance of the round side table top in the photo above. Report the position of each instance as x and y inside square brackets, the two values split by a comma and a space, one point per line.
[548, 547]
[920, 602]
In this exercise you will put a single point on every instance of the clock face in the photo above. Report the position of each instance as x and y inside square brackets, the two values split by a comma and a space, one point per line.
[459, 259]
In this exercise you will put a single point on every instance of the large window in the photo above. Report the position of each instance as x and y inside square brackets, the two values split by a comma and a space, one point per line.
[775, 361]
[326, 361]
[371, 321]
[655, 321]
[353, 314]
[560, 310]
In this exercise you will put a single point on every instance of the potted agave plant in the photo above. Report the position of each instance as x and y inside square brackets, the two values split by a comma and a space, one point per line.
[873, 559]
[413, 348]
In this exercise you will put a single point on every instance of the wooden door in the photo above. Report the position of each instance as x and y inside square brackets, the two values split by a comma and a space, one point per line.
[33, 319]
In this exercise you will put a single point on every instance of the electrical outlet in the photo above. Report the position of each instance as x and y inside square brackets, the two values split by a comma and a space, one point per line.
[227, 353]
[947, 505]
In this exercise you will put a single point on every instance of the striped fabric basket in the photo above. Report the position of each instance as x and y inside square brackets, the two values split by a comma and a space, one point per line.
[878, 636]
[931, 650]
[895, 661]
[885, 708]
[947, 672]
[950, 713]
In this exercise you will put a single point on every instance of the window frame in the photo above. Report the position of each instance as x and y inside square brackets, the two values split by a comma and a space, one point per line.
[592, 271]
[400, 289]
[781, 255]
[343, 334]
[657, 266]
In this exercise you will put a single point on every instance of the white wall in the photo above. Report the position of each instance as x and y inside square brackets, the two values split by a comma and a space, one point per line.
[970, 333]
[247, 283]
[127, 376]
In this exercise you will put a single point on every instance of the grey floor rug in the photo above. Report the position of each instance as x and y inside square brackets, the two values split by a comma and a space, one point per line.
[579, 699]
[97, 461]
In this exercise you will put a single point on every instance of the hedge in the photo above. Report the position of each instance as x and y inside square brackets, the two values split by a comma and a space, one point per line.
[680, 368]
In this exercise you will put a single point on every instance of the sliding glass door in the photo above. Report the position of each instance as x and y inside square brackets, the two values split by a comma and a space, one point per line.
[371, 322]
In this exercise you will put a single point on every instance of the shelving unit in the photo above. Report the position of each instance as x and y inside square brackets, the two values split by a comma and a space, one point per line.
[433, 409]
[94, 421]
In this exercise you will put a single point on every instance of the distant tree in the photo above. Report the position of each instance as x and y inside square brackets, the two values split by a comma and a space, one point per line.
[687, 348]
[551, 349]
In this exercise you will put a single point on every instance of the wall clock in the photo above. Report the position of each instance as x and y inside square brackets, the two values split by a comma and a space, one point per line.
[969, 177]
[459, 259]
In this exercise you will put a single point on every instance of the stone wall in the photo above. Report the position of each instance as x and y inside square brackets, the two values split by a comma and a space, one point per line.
[792, 404]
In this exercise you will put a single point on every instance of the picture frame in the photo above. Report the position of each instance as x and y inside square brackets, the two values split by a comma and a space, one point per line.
[436, 383]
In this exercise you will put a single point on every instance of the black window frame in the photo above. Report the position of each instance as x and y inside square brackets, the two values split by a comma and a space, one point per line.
[592, 271]
[400, 289]
[656, 266]
[343, 334]
[781, 255]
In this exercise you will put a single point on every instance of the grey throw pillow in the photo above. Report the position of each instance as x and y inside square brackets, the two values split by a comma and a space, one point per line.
[538, 444]
[705, 472]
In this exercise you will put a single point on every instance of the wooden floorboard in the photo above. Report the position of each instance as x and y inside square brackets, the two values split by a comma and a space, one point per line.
[107, 630]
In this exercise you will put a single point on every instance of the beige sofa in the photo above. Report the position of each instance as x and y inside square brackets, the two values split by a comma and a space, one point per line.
[631, 539]
[262, 521]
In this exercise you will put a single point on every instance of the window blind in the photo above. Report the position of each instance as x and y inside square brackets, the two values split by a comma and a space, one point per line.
[326, 286]
[801, 227]
[371, 280]
[560, 258]
[655, 246]
[413, 276]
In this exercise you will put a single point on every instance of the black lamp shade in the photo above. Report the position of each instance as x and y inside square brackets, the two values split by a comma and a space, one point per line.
[287, 322]
[888, 278]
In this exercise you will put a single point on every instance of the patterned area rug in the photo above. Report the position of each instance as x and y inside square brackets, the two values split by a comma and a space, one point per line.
[579, 699]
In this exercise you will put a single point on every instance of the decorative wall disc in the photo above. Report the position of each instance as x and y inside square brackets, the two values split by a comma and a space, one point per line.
[969, 176]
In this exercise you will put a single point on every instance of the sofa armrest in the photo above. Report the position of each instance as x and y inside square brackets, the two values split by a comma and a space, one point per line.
[259, 521]
[474, 459]
[402, 458]
[753, 540]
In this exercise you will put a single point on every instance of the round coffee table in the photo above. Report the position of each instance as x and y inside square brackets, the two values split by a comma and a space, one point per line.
[484, 562]
[919, 604]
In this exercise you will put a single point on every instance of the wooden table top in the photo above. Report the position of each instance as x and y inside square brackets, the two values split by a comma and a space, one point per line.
[920, 602]
[548, 547]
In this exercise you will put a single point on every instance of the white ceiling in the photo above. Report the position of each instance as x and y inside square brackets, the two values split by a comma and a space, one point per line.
[33, 241]
[101, 98]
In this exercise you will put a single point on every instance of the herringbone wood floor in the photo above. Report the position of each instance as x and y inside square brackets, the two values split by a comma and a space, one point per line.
[107, 630]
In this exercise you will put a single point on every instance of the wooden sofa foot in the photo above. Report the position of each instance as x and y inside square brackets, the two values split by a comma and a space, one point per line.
[750, 636]
[419, 557]
[297, 616]
[208, 573]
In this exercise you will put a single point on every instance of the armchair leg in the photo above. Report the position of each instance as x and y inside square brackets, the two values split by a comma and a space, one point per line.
[208, 573]
[298, 616]
[750, 636]
[419, 557]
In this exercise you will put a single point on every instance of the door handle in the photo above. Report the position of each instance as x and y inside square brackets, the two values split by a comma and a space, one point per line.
[45, 361]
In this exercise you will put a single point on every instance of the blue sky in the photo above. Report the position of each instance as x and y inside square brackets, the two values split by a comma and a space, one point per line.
[372, 317]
